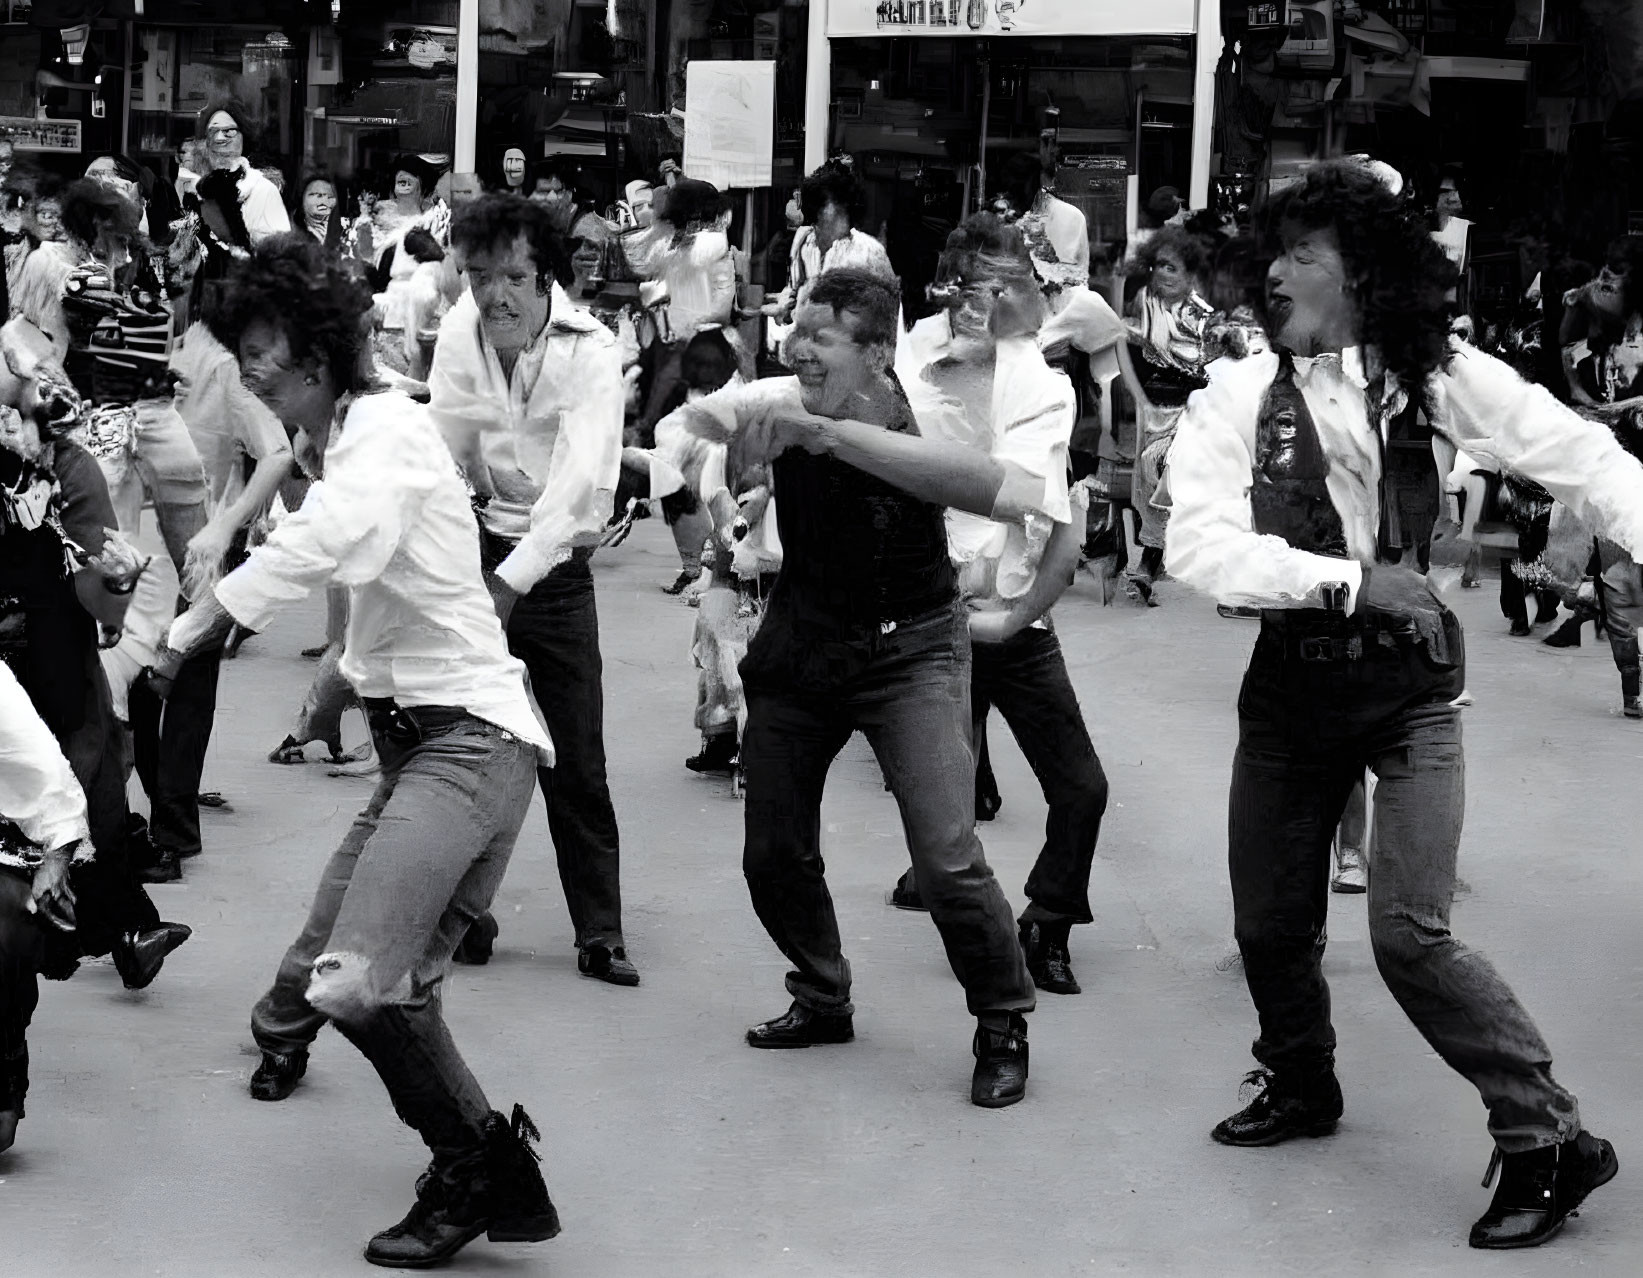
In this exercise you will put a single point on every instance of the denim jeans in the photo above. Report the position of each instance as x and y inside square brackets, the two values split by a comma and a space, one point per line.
[911, 701]
[1307, 729]
[554, 630]
[1026, 678]
[419, 865]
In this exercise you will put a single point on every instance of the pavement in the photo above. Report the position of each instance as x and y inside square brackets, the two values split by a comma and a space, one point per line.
[673, 1150]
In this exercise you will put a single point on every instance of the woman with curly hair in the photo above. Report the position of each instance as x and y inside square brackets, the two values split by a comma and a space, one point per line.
[1169, 317]
[1283, 501]
[389, 517]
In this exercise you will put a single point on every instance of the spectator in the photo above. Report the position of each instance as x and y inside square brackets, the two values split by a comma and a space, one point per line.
[259, 200]
[832, 200]
[316, 209]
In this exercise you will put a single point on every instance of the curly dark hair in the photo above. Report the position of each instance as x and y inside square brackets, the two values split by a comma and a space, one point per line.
[321, 306]
[495, 222]
[872, 299]
[1404, 282]
[981, 244]
[833, 184]
[690, 202]
[1191, 250]
[90, 209]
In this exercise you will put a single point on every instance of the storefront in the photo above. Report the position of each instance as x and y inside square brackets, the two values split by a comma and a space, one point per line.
[928, 94]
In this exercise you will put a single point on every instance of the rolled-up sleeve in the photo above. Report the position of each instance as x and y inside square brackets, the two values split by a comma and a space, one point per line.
[38, 792]
[1491, 412]
[1211, 543]
[579, 490]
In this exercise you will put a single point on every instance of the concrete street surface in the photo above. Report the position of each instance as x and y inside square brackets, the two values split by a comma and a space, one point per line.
[674, 1151]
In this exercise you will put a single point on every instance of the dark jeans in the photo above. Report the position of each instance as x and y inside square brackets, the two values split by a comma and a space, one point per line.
[554, 630]
[911, 700]
[1026, 678]
[1307, 729]
[419, 865]
[169, 742]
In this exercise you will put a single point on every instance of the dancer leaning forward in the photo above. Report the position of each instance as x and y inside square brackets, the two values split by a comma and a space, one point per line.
[1282, 502]
[389, 518]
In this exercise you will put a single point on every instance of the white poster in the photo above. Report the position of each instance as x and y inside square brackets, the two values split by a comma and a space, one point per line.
[1010, 17]
[730, 123]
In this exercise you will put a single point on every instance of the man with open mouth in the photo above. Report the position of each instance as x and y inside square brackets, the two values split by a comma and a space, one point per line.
[1283, 501]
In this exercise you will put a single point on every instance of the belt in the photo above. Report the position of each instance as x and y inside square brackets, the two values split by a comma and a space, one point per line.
[1314, 636]
[409, 725]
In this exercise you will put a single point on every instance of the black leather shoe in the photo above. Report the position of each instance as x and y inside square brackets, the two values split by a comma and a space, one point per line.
[905, 895]
[277, 1076]
[802, 1027]
[1519, 630]
[608, 965]
[1048, 961]
[1000, 1077]
[478, 942]
[139, 956]
[162, 866]
[1282, 1109]
[1567, 635]
[1540, 1189]
[718, 754]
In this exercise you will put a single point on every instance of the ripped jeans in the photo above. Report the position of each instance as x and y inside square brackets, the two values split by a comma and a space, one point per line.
[1307, 730]
[418, 866]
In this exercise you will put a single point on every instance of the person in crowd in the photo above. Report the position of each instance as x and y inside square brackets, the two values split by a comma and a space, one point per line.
[983, 383]
[412, 304]
[66, 578]
[390, 518]
[411, 207]
[832, 200]
[1451, 231]
[528, 391]
[514, 169]
[318, 209]
[864, 630]
[192, 165]
[1276, 497]
[688, 255]
[1056, 232]
[1168, 316]
[260, 205]
[31, 214]
[556, 184]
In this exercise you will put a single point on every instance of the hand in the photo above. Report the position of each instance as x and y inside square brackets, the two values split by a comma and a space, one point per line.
[1402, 593]
[203, 562]
[503, 596]
[162, 674]
[119, 563]
[50, 896]
[994, 625]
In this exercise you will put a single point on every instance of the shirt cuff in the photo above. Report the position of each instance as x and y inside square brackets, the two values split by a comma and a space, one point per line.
[243, 598]
[522, 569]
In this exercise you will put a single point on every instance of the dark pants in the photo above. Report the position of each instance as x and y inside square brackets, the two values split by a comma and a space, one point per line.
[1307, 730]
[169, 741]
[554, 630]
[418, 866]
[22, 950]
[1514, 598]
[1026, 678]
[911, 700]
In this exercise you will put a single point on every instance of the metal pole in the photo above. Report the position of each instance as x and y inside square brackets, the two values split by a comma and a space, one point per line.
[465, 149]
[984, 64]
[125, 88]
[818, 88]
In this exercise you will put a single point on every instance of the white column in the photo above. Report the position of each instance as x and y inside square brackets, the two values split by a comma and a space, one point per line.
[1207, 53]
[467, 87]
[818, 88]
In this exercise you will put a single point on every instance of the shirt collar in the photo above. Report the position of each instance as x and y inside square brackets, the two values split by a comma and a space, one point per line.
[1348, 364]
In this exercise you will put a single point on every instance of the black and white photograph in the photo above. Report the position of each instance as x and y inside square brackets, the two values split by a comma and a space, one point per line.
[542, 539]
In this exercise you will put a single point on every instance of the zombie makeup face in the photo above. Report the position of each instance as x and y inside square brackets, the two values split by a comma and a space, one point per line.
[300, 393]
[1170, 282]
[836, 371]
[1449, 202]
[1311, 305]
[44, 220]
[224, 142]
[513, 307]
[319, 201]
[513, 167]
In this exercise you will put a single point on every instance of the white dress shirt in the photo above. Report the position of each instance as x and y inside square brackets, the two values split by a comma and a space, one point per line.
[392, 521]
[1478, 403]
[1030, 424]
[546, 442]
[260, 204]
[38, 792]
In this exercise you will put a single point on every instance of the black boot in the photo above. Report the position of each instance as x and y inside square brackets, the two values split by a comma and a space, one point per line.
[1049, 963]
[799, 1026]
[496, 1190]
[607, 963]
[1540, 1189]
[718, 754]
[1000, 1076]
[905, 895]
[277, 1076]
[139, 956]
[1283, 1108]
[478, 942]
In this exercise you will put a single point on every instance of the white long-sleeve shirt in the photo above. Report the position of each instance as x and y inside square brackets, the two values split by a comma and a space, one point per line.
[1480, 404]
[392, 521]
[546, 442]
[38, 792]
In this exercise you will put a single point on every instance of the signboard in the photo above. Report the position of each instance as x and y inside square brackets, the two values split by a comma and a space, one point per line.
[1010, 17]
[730, 122]
[29, 134]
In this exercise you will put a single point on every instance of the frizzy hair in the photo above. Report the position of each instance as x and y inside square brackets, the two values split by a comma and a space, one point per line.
[1402, 281]
[1190, 249]
[292, 282]
[496, 221]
